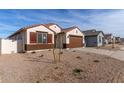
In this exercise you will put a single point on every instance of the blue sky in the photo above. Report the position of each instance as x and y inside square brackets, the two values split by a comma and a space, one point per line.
[109, 21]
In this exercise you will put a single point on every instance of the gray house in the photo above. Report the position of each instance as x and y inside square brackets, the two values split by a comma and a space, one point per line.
[93, 38]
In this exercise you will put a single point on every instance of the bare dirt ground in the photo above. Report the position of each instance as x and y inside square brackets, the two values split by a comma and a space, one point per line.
[75, 67]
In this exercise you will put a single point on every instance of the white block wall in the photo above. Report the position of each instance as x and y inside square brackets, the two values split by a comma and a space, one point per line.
[0, 45]
[8, 46]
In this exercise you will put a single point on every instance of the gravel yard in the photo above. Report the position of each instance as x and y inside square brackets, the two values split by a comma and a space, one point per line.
[110, 47]
[75, 67]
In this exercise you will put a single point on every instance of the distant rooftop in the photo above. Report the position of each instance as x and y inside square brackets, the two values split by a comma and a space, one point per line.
[91, 32]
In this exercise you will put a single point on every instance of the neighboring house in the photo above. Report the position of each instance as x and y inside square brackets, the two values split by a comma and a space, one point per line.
[94, 38]
[73, 37]
[122, 40]
[46, 36]
[108, 38]
[117, 40]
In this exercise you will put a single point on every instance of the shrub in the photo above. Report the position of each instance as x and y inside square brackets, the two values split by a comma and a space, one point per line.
[96, 61]
[41, 55]
[73, 51]
[56, 68]
[78, 57]
[33, 52]
[23, 52]
[61, 52]
[37, 81]
[76, 70]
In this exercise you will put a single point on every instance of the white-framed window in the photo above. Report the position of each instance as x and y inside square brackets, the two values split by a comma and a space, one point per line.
[41, 37]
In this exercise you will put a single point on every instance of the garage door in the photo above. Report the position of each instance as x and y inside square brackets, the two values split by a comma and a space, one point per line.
[76, 41]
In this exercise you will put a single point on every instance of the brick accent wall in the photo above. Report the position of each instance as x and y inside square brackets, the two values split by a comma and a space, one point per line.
[29, 47]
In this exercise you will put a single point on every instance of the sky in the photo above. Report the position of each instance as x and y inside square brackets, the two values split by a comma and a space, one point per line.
[108, 21]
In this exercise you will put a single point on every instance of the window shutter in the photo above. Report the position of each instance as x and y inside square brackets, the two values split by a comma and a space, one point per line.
[33, 37]
[49, 38]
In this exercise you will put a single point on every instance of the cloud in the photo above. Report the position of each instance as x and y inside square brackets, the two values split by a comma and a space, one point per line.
[6, 29]
[108, 21]
[25, 18]
[39, 16]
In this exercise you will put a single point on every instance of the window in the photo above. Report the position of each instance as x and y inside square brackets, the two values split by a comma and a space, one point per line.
[42, 37]
[100, 39]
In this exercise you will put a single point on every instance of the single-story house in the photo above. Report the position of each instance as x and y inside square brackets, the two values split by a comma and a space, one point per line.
[46, 36]
[34, 37]
[108, 38]
[93, 38]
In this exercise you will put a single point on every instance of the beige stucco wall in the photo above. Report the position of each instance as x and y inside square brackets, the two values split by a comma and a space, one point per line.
[75, 32]
[55, 28]
[38, 28]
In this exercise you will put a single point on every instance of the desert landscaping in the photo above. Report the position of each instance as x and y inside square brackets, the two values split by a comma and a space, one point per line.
[75, 67]
[110, 47]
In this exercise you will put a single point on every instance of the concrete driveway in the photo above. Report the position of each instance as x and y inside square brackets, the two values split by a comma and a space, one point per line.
[119, 54]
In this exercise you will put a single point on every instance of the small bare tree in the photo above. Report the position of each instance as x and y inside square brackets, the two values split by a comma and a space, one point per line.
[57, 49]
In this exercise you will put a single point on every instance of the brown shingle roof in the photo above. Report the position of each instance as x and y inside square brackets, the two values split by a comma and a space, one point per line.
[24, 29]
[49, 24]
[31, 26]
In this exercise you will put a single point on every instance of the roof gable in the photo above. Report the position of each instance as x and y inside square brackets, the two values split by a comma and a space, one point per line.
[92, 32]
[27, 27]
[69, 29]
[50, 24]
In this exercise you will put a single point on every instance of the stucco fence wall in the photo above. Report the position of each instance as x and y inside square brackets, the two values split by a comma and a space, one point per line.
[8, 46]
